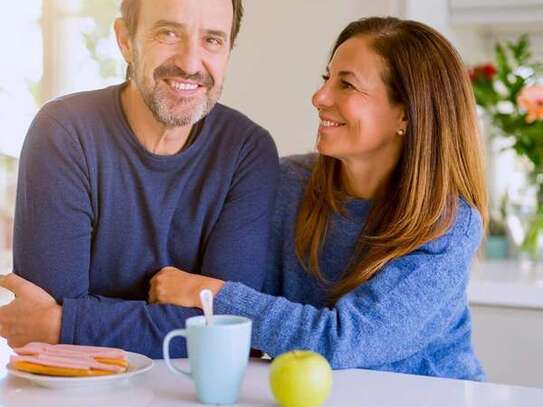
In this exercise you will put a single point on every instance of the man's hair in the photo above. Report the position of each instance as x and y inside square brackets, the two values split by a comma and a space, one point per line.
[130, 13]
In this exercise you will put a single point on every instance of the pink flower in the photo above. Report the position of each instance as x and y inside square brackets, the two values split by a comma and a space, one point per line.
[530, 99]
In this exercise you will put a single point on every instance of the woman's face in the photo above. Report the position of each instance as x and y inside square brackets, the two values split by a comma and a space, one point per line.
[357, 120]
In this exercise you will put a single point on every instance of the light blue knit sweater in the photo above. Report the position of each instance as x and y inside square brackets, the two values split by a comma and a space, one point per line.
[412, 317]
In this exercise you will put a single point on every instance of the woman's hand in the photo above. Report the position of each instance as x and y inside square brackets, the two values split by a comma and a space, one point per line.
[173, 286]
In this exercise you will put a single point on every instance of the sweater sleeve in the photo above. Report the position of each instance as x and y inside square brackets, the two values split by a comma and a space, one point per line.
[135, 326]
[53, 245]
[238, 246]
[403, 309]
[53, 215]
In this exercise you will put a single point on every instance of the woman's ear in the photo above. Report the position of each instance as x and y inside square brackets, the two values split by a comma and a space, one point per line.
[123, 39]
[403, 119]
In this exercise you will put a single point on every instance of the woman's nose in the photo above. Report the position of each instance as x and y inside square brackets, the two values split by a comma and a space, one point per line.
[322, 98]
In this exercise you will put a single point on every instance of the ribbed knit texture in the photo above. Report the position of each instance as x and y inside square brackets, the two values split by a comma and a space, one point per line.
[412, 317]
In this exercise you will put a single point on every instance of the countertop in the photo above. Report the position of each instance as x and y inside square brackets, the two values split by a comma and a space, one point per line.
[505, 283]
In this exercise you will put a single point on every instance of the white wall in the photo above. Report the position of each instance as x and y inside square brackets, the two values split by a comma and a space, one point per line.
[435, 13]
[281, 54]
[283, 49]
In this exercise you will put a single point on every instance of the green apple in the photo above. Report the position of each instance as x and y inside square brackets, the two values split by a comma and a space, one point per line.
[300, 379]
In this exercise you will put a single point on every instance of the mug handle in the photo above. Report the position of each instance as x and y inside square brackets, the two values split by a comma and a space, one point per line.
[166, 351]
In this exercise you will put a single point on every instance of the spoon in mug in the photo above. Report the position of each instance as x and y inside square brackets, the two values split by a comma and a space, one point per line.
[206, 298]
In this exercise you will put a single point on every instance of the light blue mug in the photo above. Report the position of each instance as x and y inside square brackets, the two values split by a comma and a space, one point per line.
[218, 356]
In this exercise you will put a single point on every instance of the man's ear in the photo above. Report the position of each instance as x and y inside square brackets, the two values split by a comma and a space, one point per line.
[123, 39]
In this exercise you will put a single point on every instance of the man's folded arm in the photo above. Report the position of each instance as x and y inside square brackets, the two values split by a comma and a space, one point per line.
[135, 326]
[52, 247]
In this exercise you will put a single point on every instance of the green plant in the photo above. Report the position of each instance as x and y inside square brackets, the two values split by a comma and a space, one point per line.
[510, 91]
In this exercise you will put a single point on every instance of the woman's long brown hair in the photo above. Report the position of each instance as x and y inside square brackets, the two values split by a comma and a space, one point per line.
[441, 160]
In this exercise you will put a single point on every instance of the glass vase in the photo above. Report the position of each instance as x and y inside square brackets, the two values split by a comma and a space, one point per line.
[525, 224]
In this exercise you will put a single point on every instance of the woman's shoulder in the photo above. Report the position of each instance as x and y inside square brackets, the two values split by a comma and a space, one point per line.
[298, 166]
[296, 170]
[468, 220]
[295, 173]
[466, 231]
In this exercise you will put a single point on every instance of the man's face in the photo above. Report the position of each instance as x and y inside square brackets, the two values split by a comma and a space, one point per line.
[179, 56]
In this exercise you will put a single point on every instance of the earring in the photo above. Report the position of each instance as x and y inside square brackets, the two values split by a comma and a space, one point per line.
[400, 132]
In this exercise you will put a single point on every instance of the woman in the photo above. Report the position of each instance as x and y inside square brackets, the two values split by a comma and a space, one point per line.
[373, 238]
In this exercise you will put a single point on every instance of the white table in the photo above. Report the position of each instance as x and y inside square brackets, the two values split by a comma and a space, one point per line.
[351, 387]
[364, 388]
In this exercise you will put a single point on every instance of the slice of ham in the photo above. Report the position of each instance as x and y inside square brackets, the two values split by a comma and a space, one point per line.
[70, 356]
[37, 348]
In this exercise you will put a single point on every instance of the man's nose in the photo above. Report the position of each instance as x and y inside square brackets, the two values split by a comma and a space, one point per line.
[188, 58]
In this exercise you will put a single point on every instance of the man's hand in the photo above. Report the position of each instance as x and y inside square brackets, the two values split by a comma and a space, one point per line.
[33, 316]
[173, 286]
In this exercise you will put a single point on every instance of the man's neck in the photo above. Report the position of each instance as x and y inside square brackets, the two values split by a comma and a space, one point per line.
[152, 135]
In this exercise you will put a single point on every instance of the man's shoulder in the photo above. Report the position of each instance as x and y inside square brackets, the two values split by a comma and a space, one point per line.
[228, 118]
[76, 119]
[232, 131]
[81, 106]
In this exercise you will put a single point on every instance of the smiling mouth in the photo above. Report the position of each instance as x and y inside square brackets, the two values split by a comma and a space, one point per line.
[183, 86]
[330, 124]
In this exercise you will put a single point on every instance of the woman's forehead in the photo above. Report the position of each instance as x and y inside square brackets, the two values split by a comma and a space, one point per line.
[356, 56]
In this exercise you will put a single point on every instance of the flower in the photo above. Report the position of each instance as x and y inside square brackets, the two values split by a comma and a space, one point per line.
[510, 92]
[505, 107]
[483, 72]
[530, 100]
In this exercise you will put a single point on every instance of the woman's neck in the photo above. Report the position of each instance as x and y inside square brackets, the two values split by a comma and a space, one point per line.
[364, 178]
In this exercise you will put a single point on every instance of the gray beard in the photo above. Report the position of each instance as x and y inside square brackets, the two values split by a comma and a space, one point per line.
[163, 110]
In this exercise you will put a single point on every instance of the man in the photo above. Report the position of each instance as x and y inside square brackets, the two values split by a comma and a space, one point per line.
[120, 183]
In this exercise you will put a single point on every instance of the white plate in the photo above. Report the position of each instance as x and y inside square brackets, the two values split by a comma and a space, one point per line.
[137, 364]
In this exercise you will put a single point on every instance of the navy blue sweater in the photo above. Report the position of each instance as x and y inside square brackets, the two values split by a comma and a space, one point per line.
[98, 215]
[411, 317]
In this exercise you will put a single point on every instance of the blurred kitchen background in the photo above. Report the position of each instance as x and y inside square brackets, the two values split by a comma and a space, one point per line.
[53, 47]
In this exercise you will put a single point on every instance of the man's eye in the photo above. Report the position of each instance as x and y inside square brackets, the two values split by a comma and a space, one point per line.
[167, 36]
[325, 78]
[215, 42]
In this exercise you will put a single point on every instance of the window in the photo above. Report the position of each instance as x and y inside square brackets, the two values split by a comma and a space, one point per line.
[50, 48]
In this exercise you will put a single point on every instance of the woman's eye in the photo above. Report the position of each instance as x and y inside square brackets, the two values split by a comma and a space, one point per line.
[346, 85]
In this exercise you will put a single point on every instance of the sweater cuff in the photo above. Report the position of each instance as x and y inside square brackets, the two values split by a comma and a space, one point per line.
[235, 299]
[68, 323]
